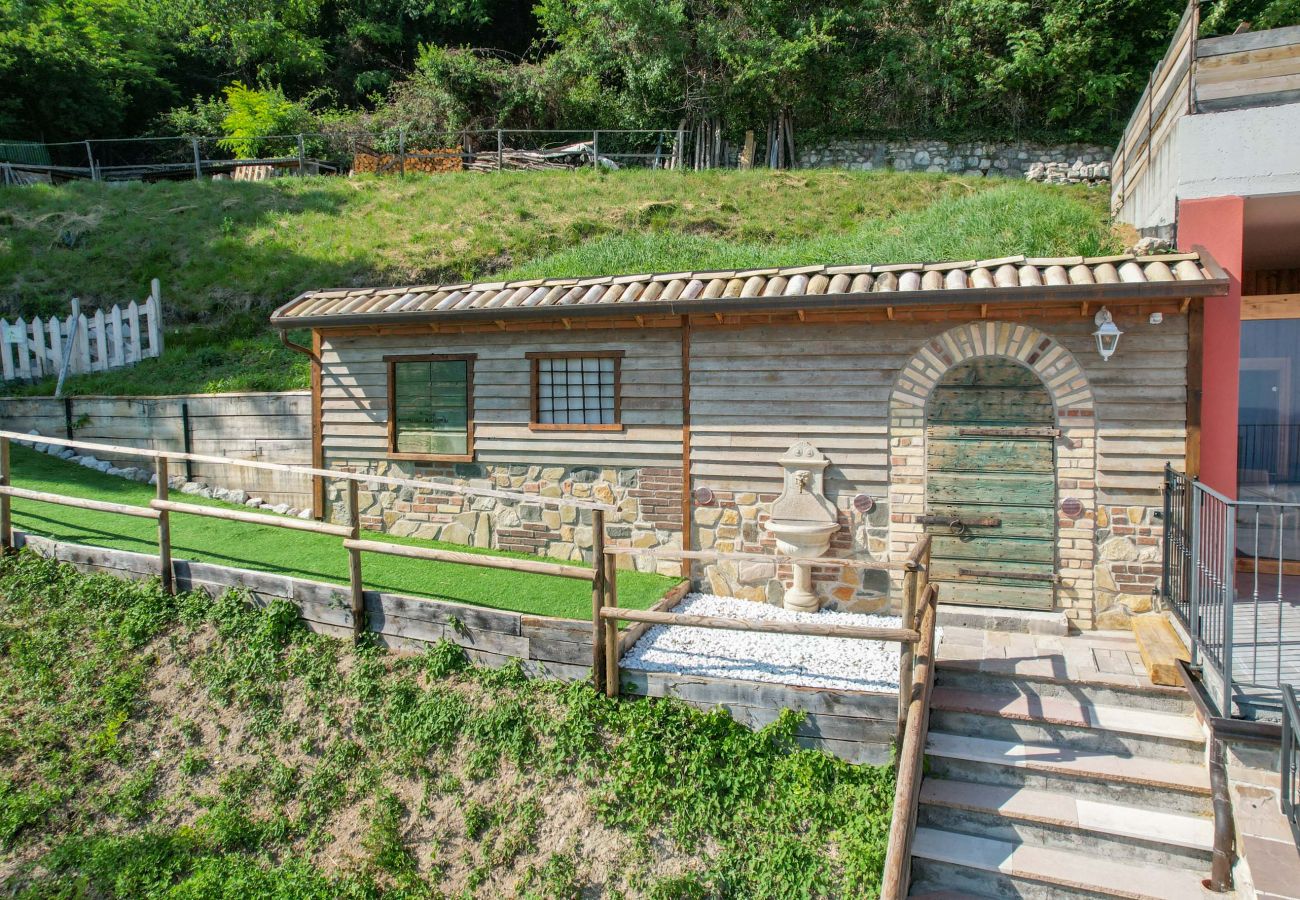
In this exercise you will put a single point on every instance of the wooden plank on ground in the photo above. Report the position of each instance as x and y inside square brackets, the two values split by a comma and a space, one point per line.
[1160, 648]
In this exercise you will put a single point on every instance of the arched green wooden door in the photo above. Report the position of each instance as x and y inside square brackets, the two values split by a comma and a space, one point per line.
[991, 486]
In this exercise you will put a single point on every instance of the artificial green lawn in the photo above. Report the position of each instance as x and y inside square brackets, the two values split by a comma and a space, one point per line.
[296, 553]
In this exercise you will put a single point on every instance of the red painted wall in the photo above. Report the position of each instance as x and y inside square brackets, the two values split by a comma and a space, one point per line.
[1217, 224]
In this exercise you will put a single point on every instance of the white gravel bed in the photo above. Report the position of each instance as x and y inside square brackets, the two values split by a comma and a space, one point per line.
[827, 662]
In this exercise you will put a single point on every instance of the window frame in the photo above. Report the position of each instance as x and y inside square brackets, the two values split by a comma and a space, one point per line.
[535, 389]
[391, 362]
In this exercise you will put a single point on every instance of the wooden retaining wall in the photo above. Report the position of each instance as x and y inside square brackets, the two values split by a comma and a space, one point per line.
[271, 427]
[853, 725]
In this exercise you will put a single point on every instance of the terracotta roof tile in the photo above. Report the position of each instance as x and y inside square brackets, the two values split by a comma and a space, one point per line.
[749, 288]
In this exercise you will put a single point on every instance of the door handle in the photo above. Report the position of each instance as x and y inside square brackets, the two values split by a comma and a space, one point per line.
[961, 522]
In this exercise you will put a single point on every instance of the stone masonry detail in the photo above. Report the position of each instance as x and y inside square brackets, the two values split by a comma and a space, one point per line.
[648, 500]
[1076, 448]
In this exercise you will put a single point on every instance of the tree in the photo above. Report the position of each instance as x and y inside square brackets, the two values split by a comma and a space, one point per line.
[78, 68]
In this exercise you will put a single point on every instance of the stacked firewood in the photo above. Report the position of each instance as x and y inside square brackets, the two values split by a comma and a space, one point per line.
[428, 162]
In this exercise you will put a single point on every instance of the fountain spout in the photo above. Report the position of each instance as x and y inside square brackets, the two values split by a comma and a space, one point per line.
[802, 520]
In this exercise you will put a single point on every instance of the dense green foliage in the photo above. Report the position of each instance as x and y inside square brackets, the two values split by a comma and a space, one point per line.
[181, 747]
[72, 69]
[296, 553]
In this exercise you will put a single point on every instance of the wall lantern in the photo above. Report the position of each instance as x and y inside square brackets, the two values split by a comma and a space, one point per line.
[1107, 334]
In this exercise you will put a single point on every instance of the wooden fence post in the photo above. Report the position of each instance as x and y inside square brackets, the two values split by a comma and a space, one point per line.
[597, 598]
[164, 528]
[354, 565]
[6, 513]
[155, 318]
[906, 650]
[612, 685]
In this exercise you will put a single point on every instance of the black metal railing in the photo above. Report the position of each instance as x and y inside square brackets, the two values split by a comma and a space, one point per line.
[1291, 759]
[1231, 575]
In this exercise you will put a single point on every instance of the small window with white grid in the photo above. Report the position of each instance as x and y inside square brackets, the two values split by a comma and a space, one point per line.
[576, 391]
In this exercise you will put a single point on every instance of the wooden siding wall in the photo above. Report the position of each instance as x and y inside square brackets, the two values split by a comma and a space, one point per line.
[271, 427]
[354, 397]
[754, 391]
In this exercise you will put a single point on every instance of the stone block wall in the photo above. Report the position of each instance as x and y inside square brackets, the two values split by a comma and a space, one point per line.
[1008, 159]
[735, 521]
[1128, 562]
[648, 498]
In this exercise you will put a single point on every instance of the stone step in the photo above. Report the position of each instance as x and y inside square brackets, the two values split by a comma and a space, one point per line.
[1051, 819]
[1022, 621]
[956, 674]
[1138, 781]
[1068, 721]
[962, 862]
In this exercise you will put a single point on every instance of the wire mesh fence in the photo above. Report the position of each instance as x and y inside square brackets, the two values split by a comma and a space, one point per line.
[398, 151]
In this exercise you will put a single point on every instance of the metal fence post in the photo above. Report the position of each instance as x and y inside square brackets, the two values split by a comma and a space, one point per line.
[401, 151]
[595, 149]
[500, 152]
[198, 165]
[164, 528]
[1165, 532]
[302, 157]
[1194, 609]
[187, 440]
[1229, 591]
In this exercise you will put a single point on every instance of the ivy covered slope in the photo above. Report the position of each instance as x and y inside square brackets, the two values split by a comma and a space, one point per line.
[228, 253]
[155, 746]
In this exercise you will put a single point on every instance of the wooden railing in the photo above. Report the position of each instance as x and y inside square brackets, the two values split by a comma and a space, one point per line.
[605, 613]
[161, 508]
[911, 753]
[1203, 75]
[1167, 97]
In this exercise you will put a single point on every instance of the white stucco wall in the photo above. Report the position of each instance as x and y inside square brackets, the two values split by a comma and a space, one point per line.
[1243, 152]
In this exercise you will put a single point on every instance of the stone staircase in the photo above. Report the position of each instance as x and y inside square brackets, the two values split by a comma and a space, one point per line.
[1049, 787]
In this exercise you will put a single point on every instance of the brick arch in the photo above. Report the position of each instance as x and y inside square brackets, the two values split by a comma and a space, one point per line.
[1076, 451]
[1056, 366]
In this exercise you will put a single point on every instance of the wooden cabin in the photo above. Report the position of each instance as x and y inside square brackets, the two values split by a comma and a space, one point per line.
[969, 399]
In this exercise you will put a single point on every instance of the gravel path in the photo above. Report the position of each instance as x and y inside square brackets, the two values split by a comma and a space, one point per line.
[829, 662]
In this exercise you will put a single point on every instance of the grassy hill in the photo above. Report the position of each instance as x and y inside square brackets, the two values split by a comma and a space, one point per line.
[180, 747]
[228, 253]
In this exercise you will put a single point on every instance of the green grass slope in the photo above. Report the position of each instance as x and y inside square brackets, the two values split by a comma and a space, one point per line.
[297, 553]
[180, 747]
[227, 253]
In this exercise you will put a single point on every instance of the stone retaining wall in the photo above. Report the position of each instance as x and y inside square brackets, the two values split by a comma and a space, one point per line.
[1008, 159]
[649, 499]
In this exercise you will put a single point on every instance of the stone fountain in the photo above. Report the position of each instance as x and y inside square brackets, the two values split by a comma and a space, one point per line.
[803, 520]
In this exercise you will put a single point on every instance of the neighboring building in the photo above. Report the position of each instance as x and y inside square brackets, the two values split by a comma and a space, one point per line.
[968, 399]
[1211, 158]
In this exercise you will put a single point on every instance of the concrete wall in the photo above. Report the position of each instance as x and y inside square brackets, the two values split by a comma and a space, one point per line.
[268, 427]
[1243, 152]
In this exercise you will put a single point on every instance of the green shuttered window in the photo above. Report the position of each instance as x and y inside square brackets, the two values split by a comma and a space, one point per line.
[430, 402]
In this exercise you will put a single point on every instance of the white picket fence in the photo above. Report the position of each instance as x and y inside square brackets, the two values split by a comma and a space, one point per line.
[121, 337]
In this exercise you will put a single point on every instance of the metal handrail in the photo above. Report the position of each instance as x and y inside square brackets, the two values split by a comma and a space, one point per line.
[1290, 794]
[1224, 574]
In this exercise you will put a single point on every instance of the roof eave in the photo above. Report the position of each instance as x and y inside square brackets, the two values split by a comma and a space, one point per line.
[1051, 295]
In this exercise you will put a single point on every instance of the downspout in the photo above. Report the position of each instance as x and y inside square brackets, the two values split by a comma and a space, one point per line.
[297, 348]
[1219, 727]
[317, 461]
[1220, 880]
